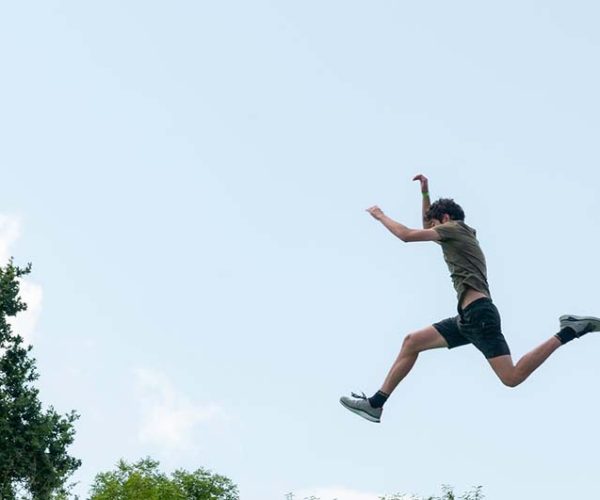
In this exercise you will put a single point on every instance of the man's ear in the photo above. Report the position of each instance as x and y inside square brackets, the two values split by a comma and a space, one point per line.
[445, 218]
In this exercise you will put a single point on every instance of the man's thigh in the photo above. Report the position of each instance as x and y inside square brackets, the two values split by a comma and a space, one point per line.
[427, 338]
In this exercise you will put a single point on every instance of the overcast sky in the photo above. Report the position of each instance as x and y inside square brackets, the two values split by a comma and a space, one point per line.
[190, 179]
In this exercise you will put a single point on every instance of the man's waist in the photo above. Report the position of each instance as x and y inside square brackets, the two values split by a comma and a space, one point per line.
[471, 296]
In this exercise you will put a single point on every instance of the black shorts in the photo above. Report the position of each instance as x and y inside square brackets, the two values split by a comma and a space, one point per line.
[477, 324]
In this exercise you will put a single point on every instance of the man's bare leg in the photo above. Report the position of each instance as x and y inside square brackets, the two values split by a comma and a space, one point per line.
[511, 374]
[414, 343]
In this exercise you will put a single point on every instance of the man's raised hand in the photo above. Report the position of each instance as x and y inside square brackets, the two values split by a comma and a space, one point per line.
[424, 182]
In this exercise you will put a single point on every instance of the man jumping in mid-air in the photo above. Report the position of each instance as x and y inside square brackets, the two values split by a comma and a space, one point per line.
[478, 320]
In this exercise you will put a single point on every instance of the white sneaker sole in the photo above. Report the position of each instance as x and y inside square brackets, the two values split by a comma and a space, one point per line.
[361, 413]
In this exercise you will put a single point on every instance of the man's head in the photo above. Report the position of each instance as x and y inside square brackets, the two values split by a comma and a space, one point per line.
[443, 210]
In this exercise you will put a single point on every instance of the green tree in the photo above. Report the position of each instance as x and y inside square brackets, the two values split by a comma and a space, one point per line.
[34, 462]
[144, 481]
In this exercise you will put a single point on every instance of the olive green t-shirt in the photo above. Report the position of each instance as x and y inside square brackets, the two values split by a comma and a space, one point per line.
[464, 257]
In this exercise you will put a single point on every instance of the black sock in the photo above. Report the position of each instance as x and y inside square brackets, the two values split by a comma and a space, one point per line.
[378, 399]
[566, 335]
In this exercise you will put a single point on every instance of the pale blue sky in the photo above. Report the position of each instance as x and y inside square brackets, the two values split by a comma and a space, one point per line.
[189, 180]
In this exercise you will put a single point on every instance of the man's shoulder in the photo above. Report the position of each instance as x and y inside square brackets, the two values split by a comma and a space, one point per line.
[456, 229]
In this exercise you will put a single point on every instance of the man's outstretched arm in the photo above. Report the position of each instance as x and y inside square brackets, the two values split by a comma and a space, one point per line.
[426, 199]
[406, 234]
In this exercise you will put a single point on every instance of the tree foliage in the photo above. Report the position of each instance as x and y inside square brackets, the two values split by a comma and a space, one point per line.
[34, 462]
[144, 481]
[447, 494]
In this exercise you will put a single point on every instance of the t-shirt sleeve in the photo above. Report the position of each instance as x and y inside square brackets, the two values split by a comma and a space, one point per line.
[446, 231]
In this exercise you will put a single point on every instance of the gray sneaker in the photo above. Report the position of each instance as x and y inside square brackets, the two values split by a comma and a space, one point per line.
[580, 324]
[361, 406]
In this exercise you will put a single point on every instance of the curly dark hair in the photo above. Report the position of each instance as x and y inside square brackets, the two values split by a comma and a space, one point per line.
[445, 206]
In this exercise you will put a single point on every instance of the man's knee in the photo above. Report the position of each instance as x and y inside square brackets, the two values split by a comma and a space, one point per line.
[410, 344]
[511, 379]
[509, 374]
[422, 340]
